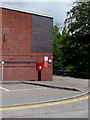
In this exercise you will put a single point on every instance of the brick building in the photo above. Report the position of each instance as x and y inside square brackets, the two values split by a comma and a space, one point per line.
[26, 38]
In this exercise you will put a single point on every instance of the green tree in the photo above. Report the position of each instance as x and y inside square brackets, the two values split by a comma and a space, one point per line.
[66, 50]
[60, 49]
[78, 44]
[56, 49]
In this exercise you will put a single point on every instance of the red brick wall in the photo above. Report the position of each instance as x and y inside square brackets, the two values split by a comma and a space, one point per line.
[17, 32]
[24, 68]
[0, 34]
[0, 43]
[20, 62]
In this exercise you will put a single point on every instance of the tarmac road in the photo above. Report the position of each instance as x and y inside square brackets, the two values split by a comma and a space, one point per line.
[77, 109]
[24, 95]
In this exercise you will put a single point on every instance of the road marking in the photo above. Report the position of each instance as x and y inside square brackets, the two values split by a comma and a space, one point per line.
[45, 104]
[4, 89]
[25, 89]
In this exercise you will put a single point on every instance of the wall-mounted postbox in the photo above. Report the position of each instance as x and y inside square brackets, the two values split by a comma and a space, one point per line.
[46, 61]
[39, 66]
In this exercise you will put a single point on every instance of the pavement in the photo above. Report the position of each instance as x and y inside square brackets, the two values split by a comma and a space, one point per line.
[58, 82]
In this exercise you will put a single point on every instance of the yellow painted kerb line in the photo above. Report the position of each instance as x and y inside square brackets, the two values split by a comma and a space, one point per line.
[45, 104]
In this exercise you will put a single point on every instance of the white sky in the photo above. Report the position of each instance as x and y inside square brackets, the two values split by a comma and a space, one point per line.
[56, 8]
[36, 0]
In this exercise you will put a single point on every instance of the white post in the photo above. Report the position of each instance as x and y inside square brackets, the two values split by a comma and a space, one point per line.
[2, 70]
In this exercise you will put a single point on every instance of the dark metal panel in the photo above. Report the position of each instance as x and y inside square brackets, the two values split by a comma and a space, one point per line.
[42, 36]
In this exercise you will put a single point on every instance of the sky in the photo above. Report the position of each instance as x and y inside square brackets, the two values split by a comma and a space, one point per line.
[56, 8]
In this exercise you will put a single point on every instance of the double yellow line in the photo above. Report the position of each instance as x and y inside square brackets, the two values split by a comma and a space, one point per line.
[45, 104]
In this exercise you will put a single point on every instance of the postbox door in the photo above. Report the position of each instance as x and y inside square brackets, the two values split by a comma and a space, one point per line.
[39, 66]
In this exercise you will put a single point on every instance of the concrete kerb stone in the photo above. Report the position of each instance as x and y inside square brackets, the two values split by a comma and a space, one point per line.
[44, 85]
[53, 86]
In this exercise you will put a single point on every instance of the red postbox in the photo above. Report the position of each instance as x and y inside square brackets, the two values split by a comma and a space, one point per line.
[39, 66]
[46, 61]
